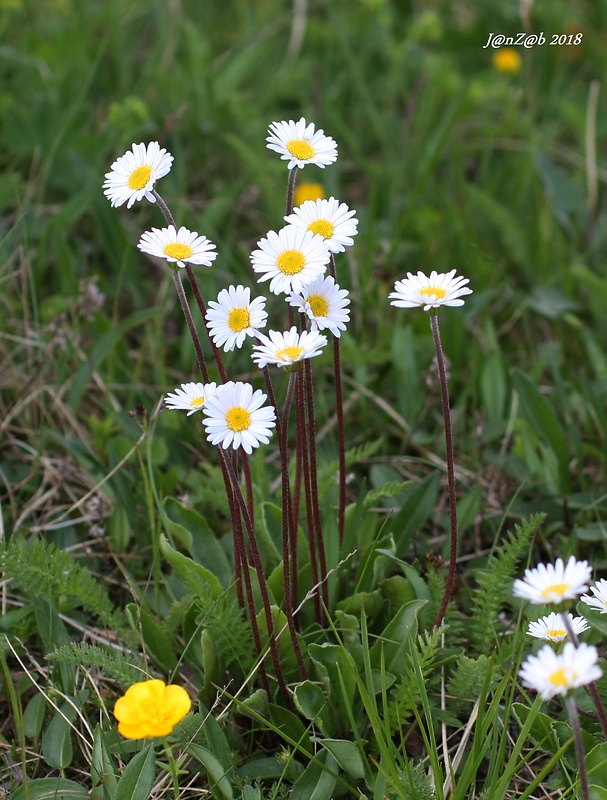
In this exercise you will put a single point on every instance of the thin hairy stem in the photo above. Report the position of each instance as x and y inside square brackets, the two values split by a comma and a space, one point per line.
[191, 327]
[579, 745]
[440, 361]
[291, 190]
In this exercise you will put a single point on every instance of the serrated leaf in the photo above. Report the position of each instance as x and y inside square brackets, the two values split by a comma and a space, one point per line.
[200, 580]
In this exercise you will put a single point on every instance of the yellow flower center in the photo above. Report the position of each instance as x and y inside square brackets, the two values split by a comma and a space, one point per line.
[563, 676]
[433, 290]
[290, 262]
[289, 352]
[556, 632]
[301, 149]
[323, 227]
[179, 251]
[140, 177]
[318, 305]
[238, 319]
[196, 402]
[238, 418]
[308, 191]
[556, 588]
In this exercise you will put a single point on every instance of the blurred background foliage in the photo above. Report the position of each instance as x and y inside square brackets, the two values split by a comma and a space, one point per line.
[449, 161]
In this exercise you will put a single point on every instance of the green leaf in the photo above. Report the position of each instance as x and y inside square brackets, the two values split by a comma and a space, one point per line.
[596, 764]
[540, 414]
[102, 769]
[200, 580]
[50, 789]
[542, 731]
[346, 754]
[57, 747]
[33, 716]
[138, 777]
[316, 783]
[217, 775]
[394, 644]
[156, 641]
[597, 792]
[203, 545]
[311, 701]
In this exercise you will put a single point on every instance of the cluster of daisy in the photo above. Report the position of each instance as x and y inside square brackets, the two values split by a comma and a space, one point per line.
[552, 672]
[293, 259]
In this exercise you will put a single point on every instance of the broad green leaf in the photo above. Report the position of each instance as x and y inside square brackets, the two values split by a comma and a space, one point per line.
[542, 731]
[138, 777]
[50, 789]
[316, 783]
[57, 747]
[596, 765]
[200, 580]
[102, 768]
[218, 779]
[156, 641]
[203, 545]
[33, 716]
[337, 673]
[346, 754]
[597, 792]
[311, 701]
[391, 649]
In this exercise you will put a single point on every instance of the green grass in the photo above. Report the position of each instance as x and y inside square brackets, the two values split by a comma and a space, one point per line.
[449, 164]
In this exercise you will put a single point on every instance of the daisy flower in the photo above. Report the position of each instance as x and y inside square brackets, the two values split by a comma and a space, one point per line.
[236, 416]
[324, 303]
[288, 349]
[599, 601]
[190, 397]
[178, 246]
[330, 219]
[438, 290]
[299, 144]
[290, 258]
[235, 316]
[134, 174]
[551, 673]
[552, 628]
[554, 583]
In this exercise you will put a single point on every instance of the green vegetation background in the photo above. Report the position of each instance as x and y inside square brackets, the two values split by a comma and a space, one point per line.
[449, 163]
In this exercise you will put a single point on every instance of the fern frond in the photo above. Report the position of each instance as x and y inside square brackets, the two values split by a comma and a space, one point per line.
[40, 569]
[467, 681]
[115, 665]
[407, 695]
[495, 581]
[390, 489]
[231, 634]
[330, 468]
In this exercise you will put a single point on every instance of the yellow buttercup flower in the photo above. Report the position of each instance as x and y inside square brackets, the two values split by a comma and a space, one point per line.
[151, 708]
[308, 191]
[506, 59]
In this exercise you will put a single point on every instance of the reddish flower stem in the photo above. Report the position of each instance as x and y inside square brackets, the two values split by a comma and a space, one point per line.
[341, 435]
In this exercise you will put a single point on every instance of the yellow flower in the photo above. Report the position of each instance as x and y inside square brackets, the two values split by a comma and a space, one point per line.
[151, 708]
[506, 59]
[308, 191]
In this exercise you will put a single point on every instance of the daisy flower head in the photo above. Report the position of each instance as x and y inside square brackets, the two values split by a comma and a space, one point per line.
[324, 303]
[178, 246]
[236, 416]
[134, 174]
[551, 673]
[190, 397]
[331, 219]
[290, 258]
[552, 627]
[554, 583]
[599, 601]
[288, 349]
[234, 316]
[300, 143]
[440, 289]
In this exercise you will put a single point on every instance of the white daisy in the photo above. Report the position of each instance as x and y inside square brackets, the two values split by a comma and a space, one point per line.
[235, 316]
[552, 628]
[288, 349]
[438, 290]
[599, 601]
[554, 583]
[178, 246]
[298, 144]
[331, 219]
[324, 303]
[134, 174]
[190, 397]
[235, 416]
[290, 258]
[551, 673]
